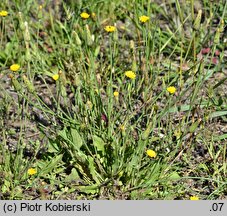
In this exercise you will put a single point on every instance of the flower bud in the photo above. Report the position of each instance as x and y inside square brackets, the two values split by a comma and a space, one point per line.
[15, 83]
[21, 22]
[146, 133]
[222, 25]
[217, 36]
[26, 33]
[198, 20]
[89, 38]
[76, 38]
[28, 84]
[132, 45]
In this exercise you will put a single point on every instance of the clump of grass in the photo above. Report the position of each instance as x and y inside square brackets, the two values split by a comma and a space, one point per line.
[114, 100]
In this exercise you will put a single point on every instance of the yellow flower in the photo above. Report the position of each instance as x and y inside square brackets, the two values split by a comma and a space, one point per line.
[14, 67]
[55, 77]
[32, 171]
[171, 89]
[110, 28]
[116, 94]
[85, 15]
[144, 19]
[130, 74]
[151, 153]
[3, 13]
[194, 198]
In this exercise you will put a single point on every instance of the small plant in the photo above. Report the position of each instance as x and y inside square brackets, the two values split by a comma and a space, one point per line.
[120, 100]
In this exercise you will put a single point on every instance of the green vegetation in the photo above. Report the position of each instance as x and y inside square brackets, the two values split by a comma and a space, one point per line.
[135, 110]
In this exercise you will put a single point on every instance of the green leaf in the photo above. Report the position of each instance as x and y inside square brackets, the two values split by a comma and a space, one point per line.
[89, 189]
[49, 167]
[182, 108]
[54, 69]
[204, 167]
[154, 139]
[99, 144]
[53, 146]
[220, 83]
[92, 169]
[152, 174]
[73, 142]
[209, 73]
[174, 176]
[218, 114]
[6, 186]
[73, 176]
[221, 137]
[194, 126]
[63, 134]
[76, 138]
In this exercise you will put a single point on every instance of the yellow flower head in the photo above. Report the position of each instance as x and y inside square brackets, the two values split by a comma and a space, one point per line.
[85, 15]
[116, 94]
[144, 19]
[194, 198]
[3, 13]
[151, 153]
[110, 28]
[55, 77]
[14, 67]
[130, 74]
[32, 171]
[171, 89]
